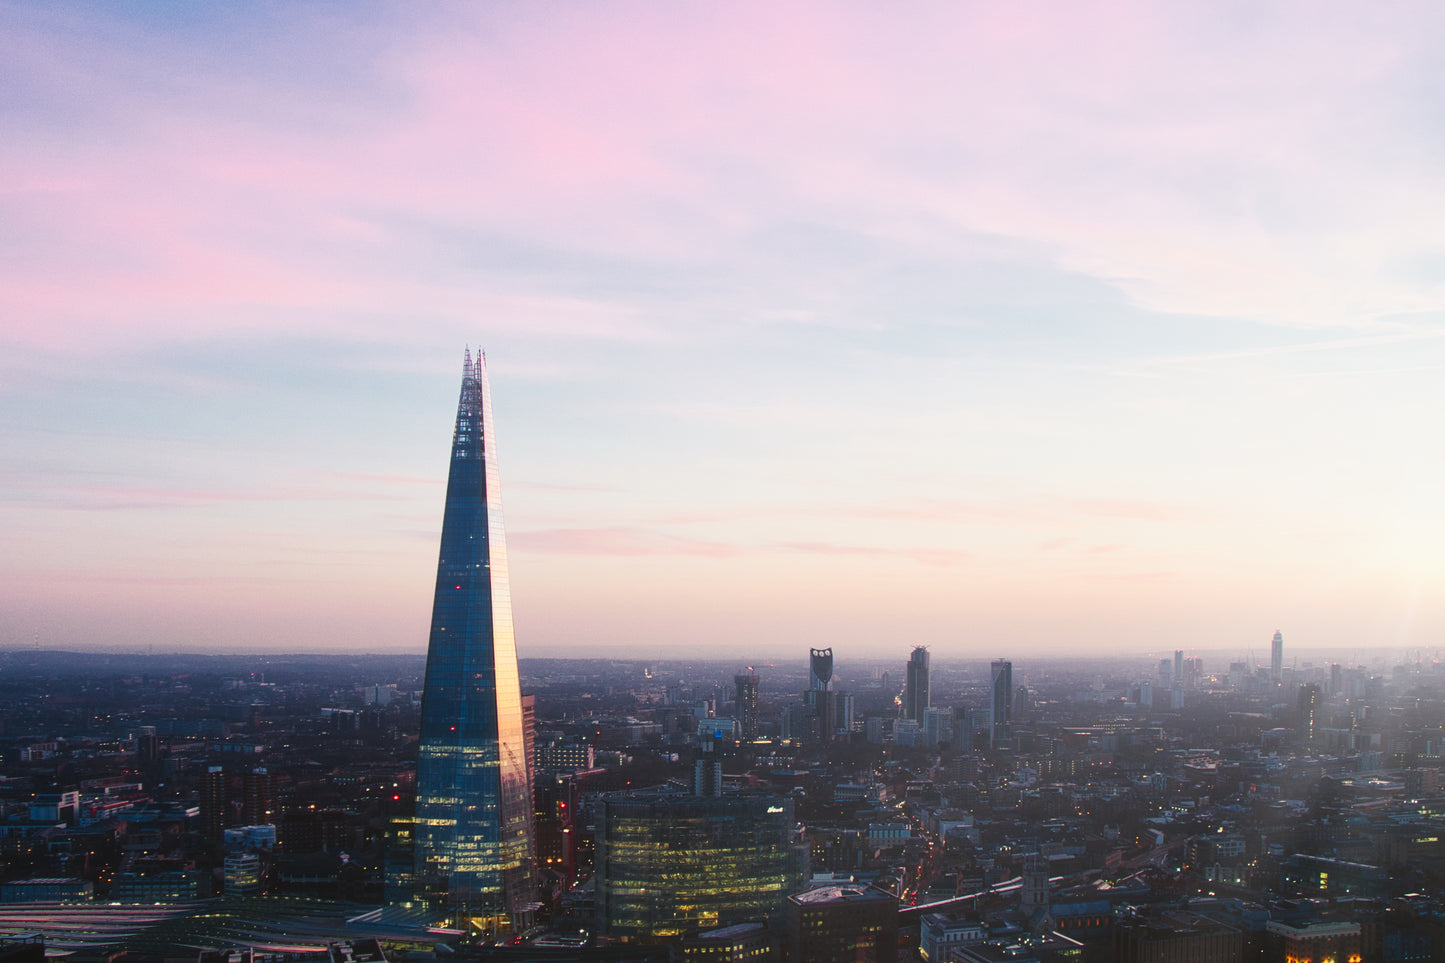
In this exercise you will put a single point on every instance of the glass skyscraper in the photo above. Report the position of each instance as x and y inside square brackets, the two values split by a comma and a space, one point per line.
[1000, 701]
[472, 832]
[916, 694]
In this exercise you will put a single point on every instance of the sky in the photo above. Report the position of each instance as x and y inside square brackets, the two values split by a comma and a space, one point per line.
[1010, 329]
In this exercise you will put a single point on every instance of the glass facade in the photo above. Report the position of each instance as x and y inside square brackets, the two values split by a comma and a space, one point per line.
[1000, 703]
[472, 832]
[668, 864]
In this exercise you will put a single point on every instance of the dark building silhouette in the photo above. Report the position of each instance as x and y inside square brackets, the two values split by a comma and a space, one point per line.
[214, 815]
[916, 696]
[834, 923]
[258, 797]
[747, 702]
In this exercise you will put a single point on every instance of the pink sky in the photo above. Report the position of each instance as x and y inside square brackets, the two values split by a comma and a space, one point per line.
[1003, 329]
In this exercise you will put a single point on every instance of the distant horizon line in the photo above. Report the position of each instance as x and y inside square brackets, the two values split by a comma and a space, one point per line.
[1425, 654]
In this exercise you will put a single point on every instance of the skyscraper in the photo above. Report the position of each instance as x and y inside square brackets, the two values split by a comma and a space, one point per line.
[1309, 712]
[747, 700]
[1276, 658]
[819, 697]
[915, 684]
[1000, 703]
[472, 833]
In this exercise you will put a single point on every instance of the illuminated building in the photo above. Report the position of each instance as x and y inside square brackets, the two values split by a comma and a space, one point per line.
[1000, 703]
[670, 864]
[916, 696]
[242, 873]
[472, 832]
[842, 923]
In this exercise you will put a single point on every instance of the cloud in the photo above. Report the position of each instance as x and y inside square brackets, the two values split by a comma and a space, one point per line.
[928, 556]
[613, 541]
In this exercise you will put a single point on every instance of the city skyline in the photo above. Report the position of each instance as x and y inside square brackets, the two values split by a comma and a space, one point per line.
[821, 326]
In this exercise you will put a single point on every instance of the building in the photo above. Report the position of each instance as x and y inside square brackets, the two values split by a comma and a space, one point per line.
[849, 922]
[747, 703]
[1000, 703]
[242, 873]
[743, 943]
[1309, 702]
[1317, 940]
[939, 934]
[213, 803]
[472, 839]
[1276, 658]
[1177, 936]
[916, 695]
[937, 726]
[669, 864]
[46, 890]
[258, 800]
[819, 697]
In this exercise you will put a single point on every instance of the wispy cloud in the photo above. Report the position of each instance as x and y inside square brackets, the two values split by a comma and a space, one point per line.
[928, 556]
[614, 541]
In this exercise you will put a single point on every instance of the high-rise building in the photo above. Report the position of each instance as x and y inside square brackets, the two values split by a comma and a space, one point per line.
[1000, 704]
[1309, 712]
[820, 669]
[1178, 665]
[1276, 658]
[915, 684]
[472, 832]
[214, 808]
[747, 701]
[819, 697]
[258, 803]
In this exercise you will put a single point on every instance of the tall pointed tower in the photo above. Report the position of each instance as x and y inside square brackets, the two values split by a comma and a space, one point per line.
[472, 833]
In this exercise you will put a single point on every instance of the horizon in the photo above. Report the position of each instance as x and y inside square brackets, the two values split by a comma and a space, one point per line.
[1102, 329]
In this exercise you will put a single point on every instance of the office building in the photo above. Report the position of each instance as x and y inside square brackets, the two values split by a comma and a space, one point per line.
[1276, 658]
[916, 696]
[669, 864]
[1000, 705]
[472, 832]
